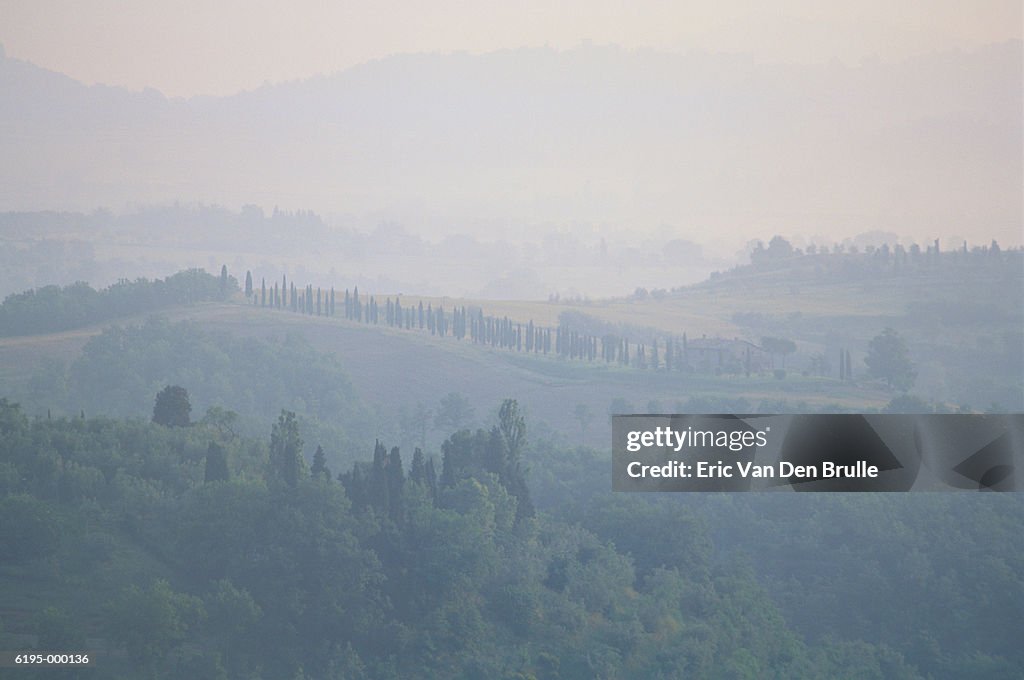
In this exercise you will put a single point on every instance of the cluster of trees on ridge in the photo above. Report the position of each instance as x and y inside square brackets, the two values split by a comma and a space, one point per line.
[884, 258]
[53, 308]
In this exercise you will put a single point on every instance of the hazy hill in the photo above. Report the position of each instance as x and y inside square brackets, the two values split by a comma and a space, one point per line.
[493, 142]
[960, 316]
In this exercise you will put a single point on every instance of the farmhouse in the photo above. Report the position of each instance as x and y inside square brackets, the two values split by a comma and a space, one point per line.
[724, 355]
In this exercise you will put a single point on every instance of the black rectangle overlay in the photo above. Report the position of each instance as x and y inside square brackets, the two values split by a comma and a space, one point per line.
[817, 452]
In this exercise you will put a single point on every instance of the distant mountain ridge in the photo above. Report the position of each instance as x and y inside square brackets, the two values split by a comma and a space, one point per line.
[594, 134]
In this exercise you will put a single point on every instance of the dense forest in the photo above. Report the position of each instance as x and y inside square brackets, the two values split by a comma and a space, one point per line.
[194, 552]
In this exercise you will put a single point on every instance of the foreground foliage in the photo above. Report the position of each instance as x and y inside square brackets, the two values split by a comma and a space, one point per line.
[121, 539]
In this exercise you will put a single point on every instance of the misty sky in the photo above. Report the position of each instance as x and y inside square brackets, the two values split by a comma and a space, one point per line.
[190, 47]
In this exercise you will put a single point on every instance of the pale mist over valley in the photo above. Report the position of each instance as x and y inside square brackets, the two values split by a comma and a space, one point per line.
[519, 173]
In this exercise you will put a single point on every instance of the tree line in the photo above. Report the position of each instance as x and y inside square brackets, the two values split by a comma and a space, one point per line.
[461, 322]
[849, 260]
[55, 308]
[576, 337]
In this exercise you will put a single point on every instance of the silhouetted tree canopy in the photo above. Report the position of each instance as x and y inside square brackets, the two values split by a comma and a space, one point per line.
[172, 407]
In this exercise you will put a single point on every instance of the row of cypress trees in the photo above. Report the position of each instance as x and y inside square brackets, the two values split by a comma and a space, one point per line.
[464, 322]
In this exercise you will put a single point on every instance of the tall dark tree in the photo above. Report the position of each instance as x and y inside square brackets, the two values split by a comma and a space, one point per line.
[172, 407]
[513, 429]
[431, 477]
[223, 279]
[512, 425]
[459, 454]
[286, 462]
[395, 482]
[248, 284]
[418, 471]
[496, 455]
[216, 464]
[320, 469]
[379, 488]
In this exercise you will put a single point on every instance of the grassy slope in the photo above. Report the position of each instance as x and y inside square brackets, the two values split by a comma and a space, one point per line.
[391, 368]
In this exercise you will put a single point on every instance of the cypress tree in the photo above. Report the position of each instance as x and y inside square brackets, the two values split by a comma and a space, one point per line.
[418, 471]
[431, 476]
[248, 284]
[216, 464]
[286, 462]
[320, 469]
[378, 486]
[395, 483]
[355, 486]
[495, 458]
